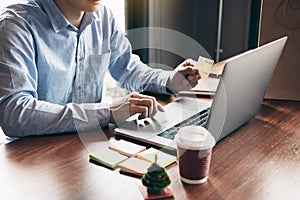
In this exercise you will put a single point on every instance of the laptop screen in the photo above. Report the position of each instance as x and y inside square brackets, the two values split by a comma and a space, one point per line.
[242, 87]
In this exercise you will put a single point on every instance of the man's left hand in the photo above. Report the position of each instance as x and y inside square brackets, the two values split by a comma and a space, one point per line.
[184, 77]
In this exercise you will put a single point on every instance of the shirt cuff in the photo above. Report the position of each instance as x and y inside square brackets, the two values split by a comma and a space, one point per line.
[98, 112]
[164, 76]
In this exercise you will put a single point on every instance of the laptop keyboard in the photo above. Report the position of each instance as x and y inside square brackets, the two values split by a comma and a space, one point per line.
[198, 120]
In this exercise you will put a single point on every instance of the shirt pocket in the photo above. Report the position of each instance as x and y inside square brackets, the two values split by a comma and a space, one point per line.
[100, 59]
[97, 64]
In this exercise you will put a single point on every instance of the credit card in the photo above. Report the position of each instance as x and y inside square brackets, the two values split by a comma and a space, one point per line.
[204, 66]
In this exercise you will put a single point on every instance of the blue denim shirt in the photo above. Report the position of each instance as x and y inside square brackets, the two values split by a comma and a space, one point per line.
[51, 73]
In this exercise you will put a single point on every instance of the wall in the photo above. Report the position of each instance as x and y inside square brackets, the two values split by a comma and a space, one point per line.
[198, 19]
[280, 18]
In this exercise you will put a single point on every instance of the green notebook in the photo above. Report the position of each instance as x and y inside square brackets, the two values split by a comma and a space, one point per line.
[108, 158]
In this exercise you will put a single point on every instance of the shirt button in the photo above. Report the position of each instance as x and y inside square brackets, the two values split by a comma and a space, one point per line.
[79, 88]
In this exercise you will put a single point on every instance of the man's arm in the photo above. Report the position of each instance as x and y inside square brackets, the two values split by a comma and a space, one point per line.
[21, 112]
[128, 70]
[134, 75]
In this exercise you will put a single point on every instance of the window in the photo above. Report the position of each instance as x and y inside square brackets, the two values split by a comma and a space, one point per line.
[118, 9]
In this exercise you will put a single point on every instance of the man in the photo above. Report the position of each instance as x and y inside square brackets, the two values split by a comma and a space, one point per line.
[53, 58]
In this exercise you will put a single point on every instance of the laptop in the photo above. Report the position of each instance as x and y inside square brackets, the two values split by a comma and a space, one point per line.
[205, 87]
[238, 97]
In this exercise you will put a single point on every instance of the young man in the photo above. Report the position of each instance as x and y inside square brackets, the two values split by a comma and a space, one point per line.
[53, 58]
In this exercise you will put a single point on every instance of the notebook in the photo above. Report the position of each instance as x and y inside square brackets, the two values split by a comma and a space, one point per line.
[134, 166]
[126, 148]
[163, 159]
[238, 97]
[108, 158]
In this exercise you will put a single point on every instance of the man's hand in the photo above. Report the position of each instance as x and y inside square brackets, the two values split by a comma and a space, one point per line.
[184, 77]
[134, 103]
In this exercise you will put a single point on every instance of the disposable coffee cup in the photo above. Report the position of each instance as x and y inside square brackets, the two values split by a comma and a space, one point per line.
[194, 148]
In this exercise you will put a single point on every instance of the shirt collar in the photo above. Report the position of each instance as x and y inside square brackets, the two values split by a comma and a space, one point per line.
[87, 20]
[58, 20]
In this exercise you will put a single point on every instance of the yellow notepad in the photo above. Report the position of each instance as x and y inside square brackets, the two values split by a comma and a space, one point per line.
[126, 148]
[108, 157]
[135, 166]
[163, 159]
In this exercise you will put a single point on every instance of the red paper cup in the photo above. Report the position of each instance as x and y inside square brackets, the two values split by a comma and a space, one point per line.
[194, 147]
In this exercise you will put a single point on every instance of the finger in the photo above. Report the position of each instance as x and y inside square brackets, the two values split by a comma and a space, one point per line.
[143, 110]
[193, 77]
[194, 83]
[137, 95]
[189, 70]
[161, 108]
[154, 107]
[144, 103]
[188, 62]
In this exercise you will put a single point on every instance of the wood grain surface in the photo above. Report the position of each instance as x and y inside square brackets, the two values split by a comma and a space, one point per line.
[260, 160]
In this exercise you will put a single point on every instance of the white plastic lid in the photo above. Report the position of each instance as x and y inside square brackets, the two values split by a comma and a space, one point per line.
[194, 138]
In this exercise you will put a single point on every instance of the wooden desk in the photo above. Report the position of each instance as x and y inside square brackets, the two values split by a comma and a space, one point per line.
[261, 160]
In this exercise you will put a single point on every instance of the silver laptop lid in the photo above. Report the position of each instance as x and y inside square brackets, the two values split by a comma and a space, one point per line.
[242, 88]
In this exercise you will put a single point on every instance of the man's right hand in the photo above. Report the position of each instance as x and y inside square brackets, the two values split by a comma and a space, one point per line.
[134, 103]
